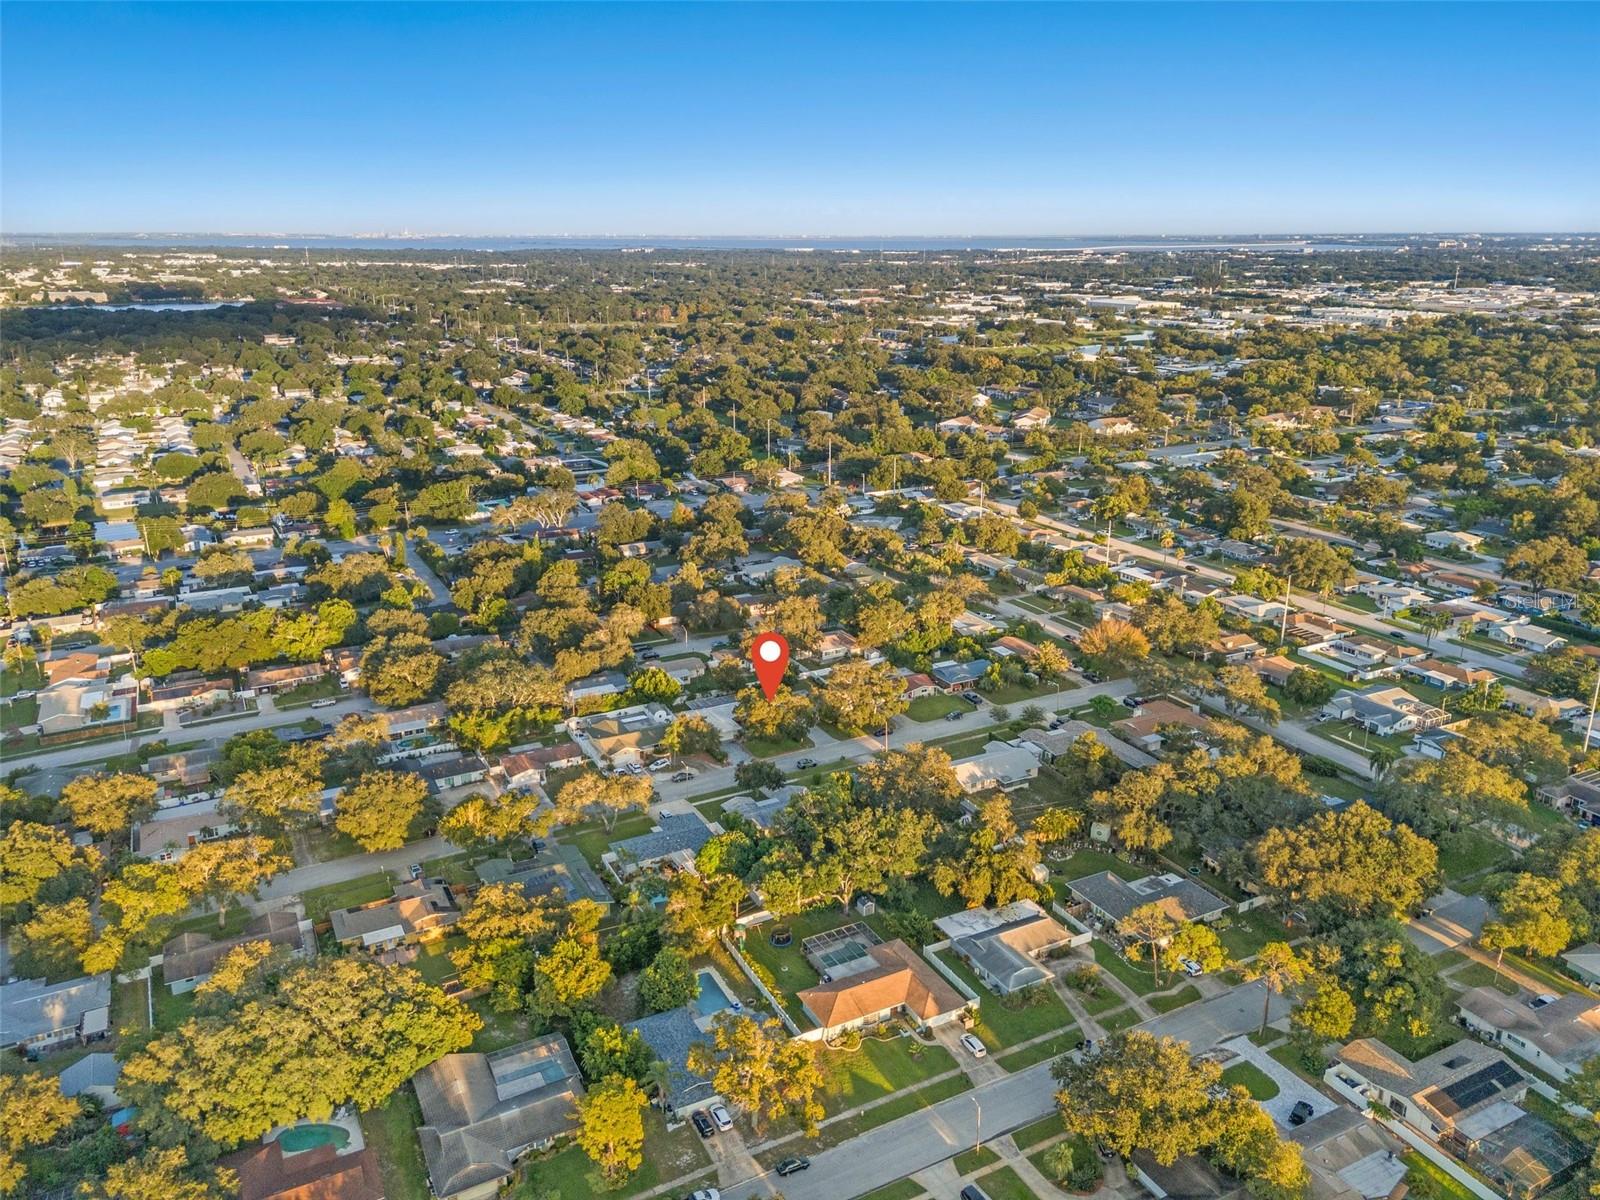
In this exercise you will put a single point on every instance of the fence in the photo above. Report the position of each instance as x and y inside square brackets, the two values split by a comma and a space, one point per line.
[772, 1001]
[931, 953]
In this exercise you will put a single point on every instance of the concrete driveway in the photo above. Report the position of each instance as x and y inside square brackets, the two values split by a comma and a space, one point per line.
[1455, 919]
[1208, 1024]
[1291, 1088]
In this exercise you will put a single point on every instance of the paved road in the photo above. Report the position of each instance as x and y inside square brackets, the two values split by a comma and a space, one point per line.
[74, 760]
[1206, 1025]
[314, 875]
[829, 750]
[913, 1143]
[1368, 621]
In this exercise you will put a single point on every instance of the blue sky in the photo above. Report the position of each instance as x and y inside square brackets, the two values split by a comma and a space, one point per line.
[798, 119]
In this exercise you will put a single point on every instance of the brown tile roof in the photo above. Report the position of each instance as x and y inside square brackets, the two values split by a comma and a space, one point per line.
[900, 980]
[319, 1174]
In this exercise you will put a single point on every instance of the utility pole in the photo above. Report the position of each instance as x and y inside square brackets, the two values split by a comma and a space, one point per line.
[1593, 701]
[1283, 625]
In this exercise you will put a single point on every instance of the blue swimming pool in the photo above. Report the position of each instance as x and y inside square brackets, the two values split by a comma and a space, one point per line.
[711, 998]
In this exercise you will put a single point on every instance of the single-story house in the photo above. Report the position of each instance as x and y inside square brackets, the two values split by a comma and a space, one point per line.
[1234, 648]
[1384, 710]
[172, 832]
[35, 1015]
[1556, 1034]
[674, 841]
[1274, 668]
[669, 1035]
[442, 774]
[1448, 676]
[483, 1112]
[93, 1075]
[1452, 539]
[1003, 946]
[320, 1173]
[1526, 636]
[268, 681]
[1584, 962]
[1053, 743]
[1001, 765]
[1112, 898]
[959, 676]
[893, 982]
[558, 867]
[420, 910]
[189, 959]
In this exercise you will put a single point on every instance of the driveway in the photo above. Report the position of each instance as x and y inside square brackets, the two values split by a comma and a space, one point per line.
[1455, 920]
[979, 1070]
[1208, 1024]
[1291, 1088]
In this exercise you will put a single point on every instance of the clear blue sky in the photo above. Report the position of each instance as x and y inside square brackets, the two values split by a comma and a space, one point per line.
[798, 119]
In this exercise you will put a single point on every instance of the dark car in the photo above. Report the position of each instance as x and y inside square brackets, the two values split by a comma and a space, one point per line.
[955, 716]
[972, 697]
[648, 655]
[1094, 676]
[1132, 701]
[1301, 1113]
[790, 1166]
[973, 1192]
[702, 1123]
[683, 777]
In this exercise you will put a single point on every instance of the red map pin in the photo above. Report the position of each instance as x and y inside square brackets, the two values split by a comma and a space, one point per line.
[769, 654]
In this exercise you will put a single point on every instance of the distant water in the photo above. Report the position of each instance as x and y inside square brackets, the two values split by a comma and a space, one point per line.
[857, 245]
[167, 306]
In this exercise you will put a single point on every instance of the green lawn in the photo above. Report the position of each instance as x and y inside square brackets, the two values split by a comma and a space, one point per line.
[1477, 974]
[593, 839]
[1092, 862]
[1118, 1021]
[1425, 1181]
[877, 1068]
[1395, 1035]
[363, 889]
[933, 708]
[765, 748]
[570, 1174]
[837, 1132]
[318, 689]
[1007, 1020]
[499, 1029]
[1244, 934]
[974, 1159]
[1005, 1184]
[1254, 1080]
[130, 1009]
[391, 1131]
[1187, 994]
[171, 1010]
[1138, 976]
[1041, 1130]
[433, 962]
[1469, 852]
[16, 713]
[900, 1189]
[1040, 1052]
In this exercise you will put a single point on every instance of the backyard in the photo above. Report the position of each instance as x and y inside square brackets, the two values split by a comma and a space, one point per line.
[391, 1131]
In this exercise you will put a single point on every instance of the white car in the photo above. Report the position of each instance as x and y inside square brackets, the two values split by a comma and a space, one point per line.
[722, 1117]
[661, 764]
[1191, 968]
[974, 1045]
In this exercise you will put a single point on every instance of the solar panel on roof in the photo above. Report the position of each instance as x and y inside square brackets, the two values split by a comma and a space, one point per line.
[1475, 1088]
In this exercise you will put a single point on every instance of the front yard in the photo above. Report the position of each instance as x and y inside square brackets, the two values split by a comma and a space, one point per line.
[936, 707]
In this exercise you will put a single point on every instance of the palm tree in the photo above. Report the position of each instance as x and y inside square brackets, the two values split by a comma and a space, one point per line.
[1279, 968]
[658, 1080]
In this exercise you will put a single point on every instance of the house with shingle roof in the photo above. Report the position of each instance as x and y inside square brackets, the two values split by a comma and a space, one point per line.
[1112, 898]
[1003, 945]
[669, 1035]
[897, 984]
[189, 959]
[38, 1014]
[321, 1173]
[675, 840]
[1556, 1034]
[483, 1112]
[421, 910]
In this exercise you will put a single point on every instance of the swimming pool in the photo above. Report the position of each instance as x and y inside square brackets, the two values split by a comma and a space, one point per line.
[711, 997]
[309, 1137]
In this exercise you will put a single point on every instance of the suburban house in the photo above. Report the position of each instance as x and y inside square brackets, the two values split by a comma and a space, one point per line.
[558, 867]
[669, 1035]
[1526, 636]
[94, 1075]
[1467, 1099]
[1452, 539]
[1003, 946]
[421, 910]
[189, 959]
[1111, 898]
[1384, 710]
[442, 774]
[1001, 765]
[1274, 668]
[1307, 627]
[959, 676]
[1051, 744]
[831, 647]
[675, 840]
[1143, 729]
[1447, 676]
[1556, 1034]
[320, 1173]
[482, 1112]
[1234, 648]
[172, 832]
[527, 769]
[182, 768]
[269, 681]
[35, 1015]
[625, 737]
[918, 685]
[191, 690]
[885, 981]
[1584, 962]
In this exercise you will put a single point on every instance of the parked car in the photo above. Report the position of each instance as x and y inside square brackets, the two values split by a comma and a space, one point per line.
[973, 1192]
[1132, 701]
[704, 1194]
[647, 655]
[661, 764]
[1093, 676]
[972, 698]
[416, 870]
[955, 716]
[805, 763]
[683, 777]
[790, 1166]
[1191, 968]
[974, 1045]
[325, 702]
[702, 1123]
[723, 1118]
[1301, 1113]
